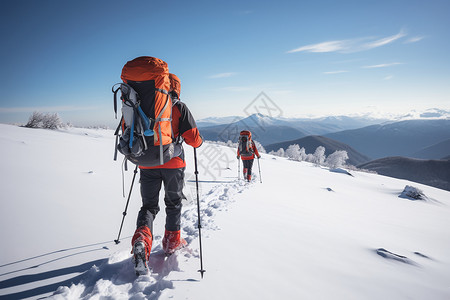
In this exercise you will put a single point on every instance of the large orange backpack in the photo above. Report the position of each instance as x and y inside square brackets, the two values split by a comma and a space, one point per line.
[146, 137]
[245, 143]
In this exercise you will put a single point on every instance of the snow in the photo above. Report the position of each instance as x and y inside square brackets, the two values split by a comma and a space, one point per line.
[306, 232]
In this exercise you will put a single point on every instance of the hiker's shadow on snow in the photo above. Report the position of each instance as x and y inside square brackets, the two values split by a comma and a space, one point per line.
[34, 266]
[161, 264]
[35, 262]
[24, 279]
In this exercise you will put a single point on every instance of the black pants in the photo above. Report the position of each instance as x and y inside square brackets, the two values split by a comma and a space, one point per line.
[151, 180]
[248, 164]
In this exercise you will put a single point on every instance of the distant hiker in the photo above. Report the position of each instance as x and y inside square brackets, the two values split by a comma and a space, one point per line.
[247, 151]
[155, 169]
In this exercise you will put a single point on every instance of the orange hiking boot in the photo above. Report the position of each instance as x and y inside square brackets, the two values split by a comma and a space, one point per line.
[249, 178]
[172, 241]
[142, 246]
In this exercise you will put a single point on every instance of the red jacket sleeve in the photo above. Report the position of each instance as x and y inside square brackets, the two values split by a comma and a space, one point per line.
[184, 124]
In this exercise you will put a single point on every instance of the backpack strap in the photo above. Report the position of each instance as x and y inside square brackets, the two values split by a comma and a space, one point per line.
[115, 97]
[116, 133]
[158, 120]
[162, 91]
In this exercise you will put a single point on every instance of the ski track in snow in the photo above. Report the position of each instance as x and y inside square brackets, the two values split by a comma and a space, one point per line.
[116, 279]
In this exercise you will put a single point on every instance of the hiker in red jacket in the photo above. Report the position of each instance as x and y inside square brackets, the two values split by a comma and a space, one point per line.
[171, 174]
[247, 151]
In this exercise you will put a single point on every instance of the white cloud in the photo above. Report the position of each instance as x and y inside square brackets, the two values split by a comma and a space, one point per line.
[389, 77]
[222, 75]
[384, 41]
[382, 65]
[351, 45]
[414, 39]
[330, 46]
[335, 72]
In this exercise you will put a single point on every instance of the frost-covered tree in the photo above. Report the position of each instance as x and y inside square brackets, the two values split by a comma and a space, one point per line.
[35, 120]
[336, 159]
[293, 152]
[319, 155]
[309, 157]
[47, 121]
[279, 153]
[52, 121]
[303, 154]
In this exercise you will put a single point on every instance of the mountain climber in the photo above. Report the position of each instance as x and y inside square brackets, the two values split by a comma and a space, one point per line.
[171, 174]
[247, 151]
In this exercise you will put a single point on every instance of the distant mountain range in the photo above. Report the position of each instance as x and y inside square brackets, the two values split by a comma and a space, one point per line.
[430, 172]
[264, 129]
[310, 143]
[322, 125]
[405, 138]
[268, 130]
[214, 121]
[424, 138]
[416, 148]
[316, 126]
[437, 151]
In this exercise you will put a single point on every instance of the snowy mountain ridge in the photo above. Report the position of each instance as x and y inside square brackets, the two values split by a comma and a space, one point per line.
[304, 232]
[374, 116]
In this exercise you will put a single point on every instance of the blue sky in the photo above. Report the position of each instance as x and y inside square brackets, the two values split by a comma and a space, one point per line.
[308, 57]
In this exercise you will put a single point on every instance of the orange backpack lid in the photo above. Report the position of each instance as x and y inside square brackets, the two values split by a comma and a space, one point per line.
[247, 133]
[175, 84]
[147, 68]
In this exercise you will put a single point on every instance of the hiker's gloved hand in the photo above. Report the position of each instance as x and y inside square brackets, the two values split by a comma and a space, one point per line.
[259, 156]
[237, 157]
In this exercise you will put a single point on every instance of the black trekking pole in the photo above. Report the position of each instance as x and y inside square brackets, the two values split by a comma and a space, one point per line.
[126, 207]
[259, 168]
[198, 214]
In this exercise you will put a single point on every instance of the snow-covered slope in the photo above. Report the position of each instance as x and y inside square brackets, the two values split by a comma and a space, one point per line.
[305, 232]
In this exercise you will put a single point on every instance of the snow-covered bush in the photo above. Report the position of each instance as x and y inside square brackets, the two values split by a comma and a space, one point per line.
[231, 144]
[309, 157]
[319, 156]
[35, 120]
[303, 154]
[336, 159]
[279, 153]
[46, 121]
[293, 152]
[52, 121]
